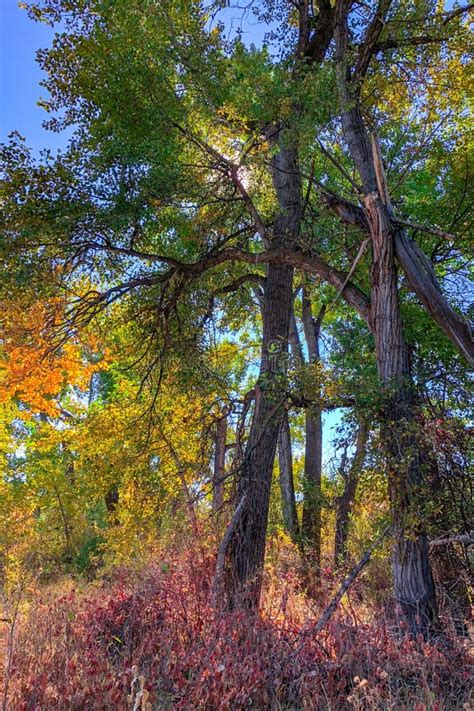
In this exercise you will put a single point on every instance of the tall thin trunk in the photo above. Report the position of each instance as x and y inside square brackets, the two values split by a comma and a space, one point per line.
[412, 577]
[247, 546]
[246, 550]
[345, 502]
[219, 464]
[287, 487]
[311, 520]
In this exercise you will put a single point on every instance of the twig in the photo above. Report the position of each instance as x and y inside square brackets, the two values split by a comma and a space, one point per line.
[361, 251]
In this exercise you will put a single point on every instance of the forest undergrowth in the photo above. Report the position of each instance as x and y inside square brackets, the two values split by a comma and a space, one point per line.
[80, 645]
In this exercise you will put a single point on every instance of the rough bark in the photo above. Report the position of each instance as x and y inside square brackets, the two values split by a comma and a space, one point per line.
[247, 544]
[413, 581]
[311, 520]
[418, 271]
[412, 577]
[287, 487]
[345, 502]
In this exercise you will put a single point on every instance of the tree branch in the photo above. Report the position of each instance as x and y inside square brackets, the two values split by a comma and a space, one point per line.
[319, 41]
[394, 43]
[466, 539]
[333, 605]
[367, 49]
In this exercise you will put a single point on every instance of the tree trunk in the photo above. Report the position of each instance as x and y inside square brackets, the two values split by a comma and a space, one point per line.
[345, 502]
[246, 549]
[287, 488]
[219, 464]
[413, 581]
[311, 521]
[247, 546]
[111, 500]
[412, 577]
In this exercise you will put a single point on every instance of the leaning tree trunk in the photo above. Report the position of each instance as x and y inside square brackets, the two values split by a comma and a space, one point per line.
[246, 550]
[287, 486]
[345, 502]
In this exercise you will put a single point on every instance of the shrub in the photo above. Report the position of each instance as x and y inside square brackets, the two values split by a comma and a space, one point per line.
[77, 652]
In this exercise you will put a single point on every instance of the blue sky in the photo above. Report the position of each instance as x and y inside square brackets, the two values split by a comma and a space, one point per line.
[20, 77]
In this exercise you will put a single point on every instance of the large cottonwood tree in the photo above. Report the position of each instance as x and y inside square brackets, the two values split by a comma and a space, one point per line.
[198, 165]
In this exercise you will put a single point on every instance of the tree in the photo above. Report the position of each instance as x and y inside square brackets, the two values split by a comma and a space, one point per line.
[199, 165]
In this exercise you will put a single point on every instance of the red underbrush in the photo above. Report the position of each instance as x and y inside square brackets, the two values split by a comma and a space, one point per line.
[76, 651]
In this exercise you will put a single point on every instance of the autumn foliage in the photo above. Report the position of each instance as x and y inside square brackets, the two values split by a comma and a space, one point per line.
[77, 650]
[33, 371]
[234, 360]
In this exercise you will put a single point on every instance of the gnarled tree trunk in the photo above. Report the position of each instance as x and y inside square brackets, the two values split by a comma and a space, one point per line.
[413, 581]
[412, 577]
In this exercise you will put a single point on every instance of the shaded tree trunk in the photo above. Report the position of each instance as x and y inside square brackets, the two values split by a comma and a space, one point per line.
[111, 499]
[345, 502]
[246, 548]
[219, 463]
[287, 487]
[311, 520]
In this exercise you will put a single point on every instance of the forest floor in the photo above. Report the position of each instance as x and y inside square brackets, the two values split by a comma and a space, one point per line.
[80, 647]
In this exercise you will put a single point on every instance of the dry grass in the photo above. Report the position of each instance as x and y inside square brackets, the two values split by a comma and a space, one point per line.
[155, 632]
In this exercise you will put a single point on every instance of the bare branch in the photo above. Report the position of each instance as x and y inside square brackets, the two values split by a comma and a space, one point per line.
[340, 168]
[458, 11]
[425, 228]
[244, 279]
[356, 261]
[221, 556]
[466, 539]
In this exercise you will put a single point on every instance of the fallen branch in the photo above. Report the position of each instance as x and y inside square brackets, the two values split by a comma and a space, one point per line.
[333, 605]
[466, 538]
